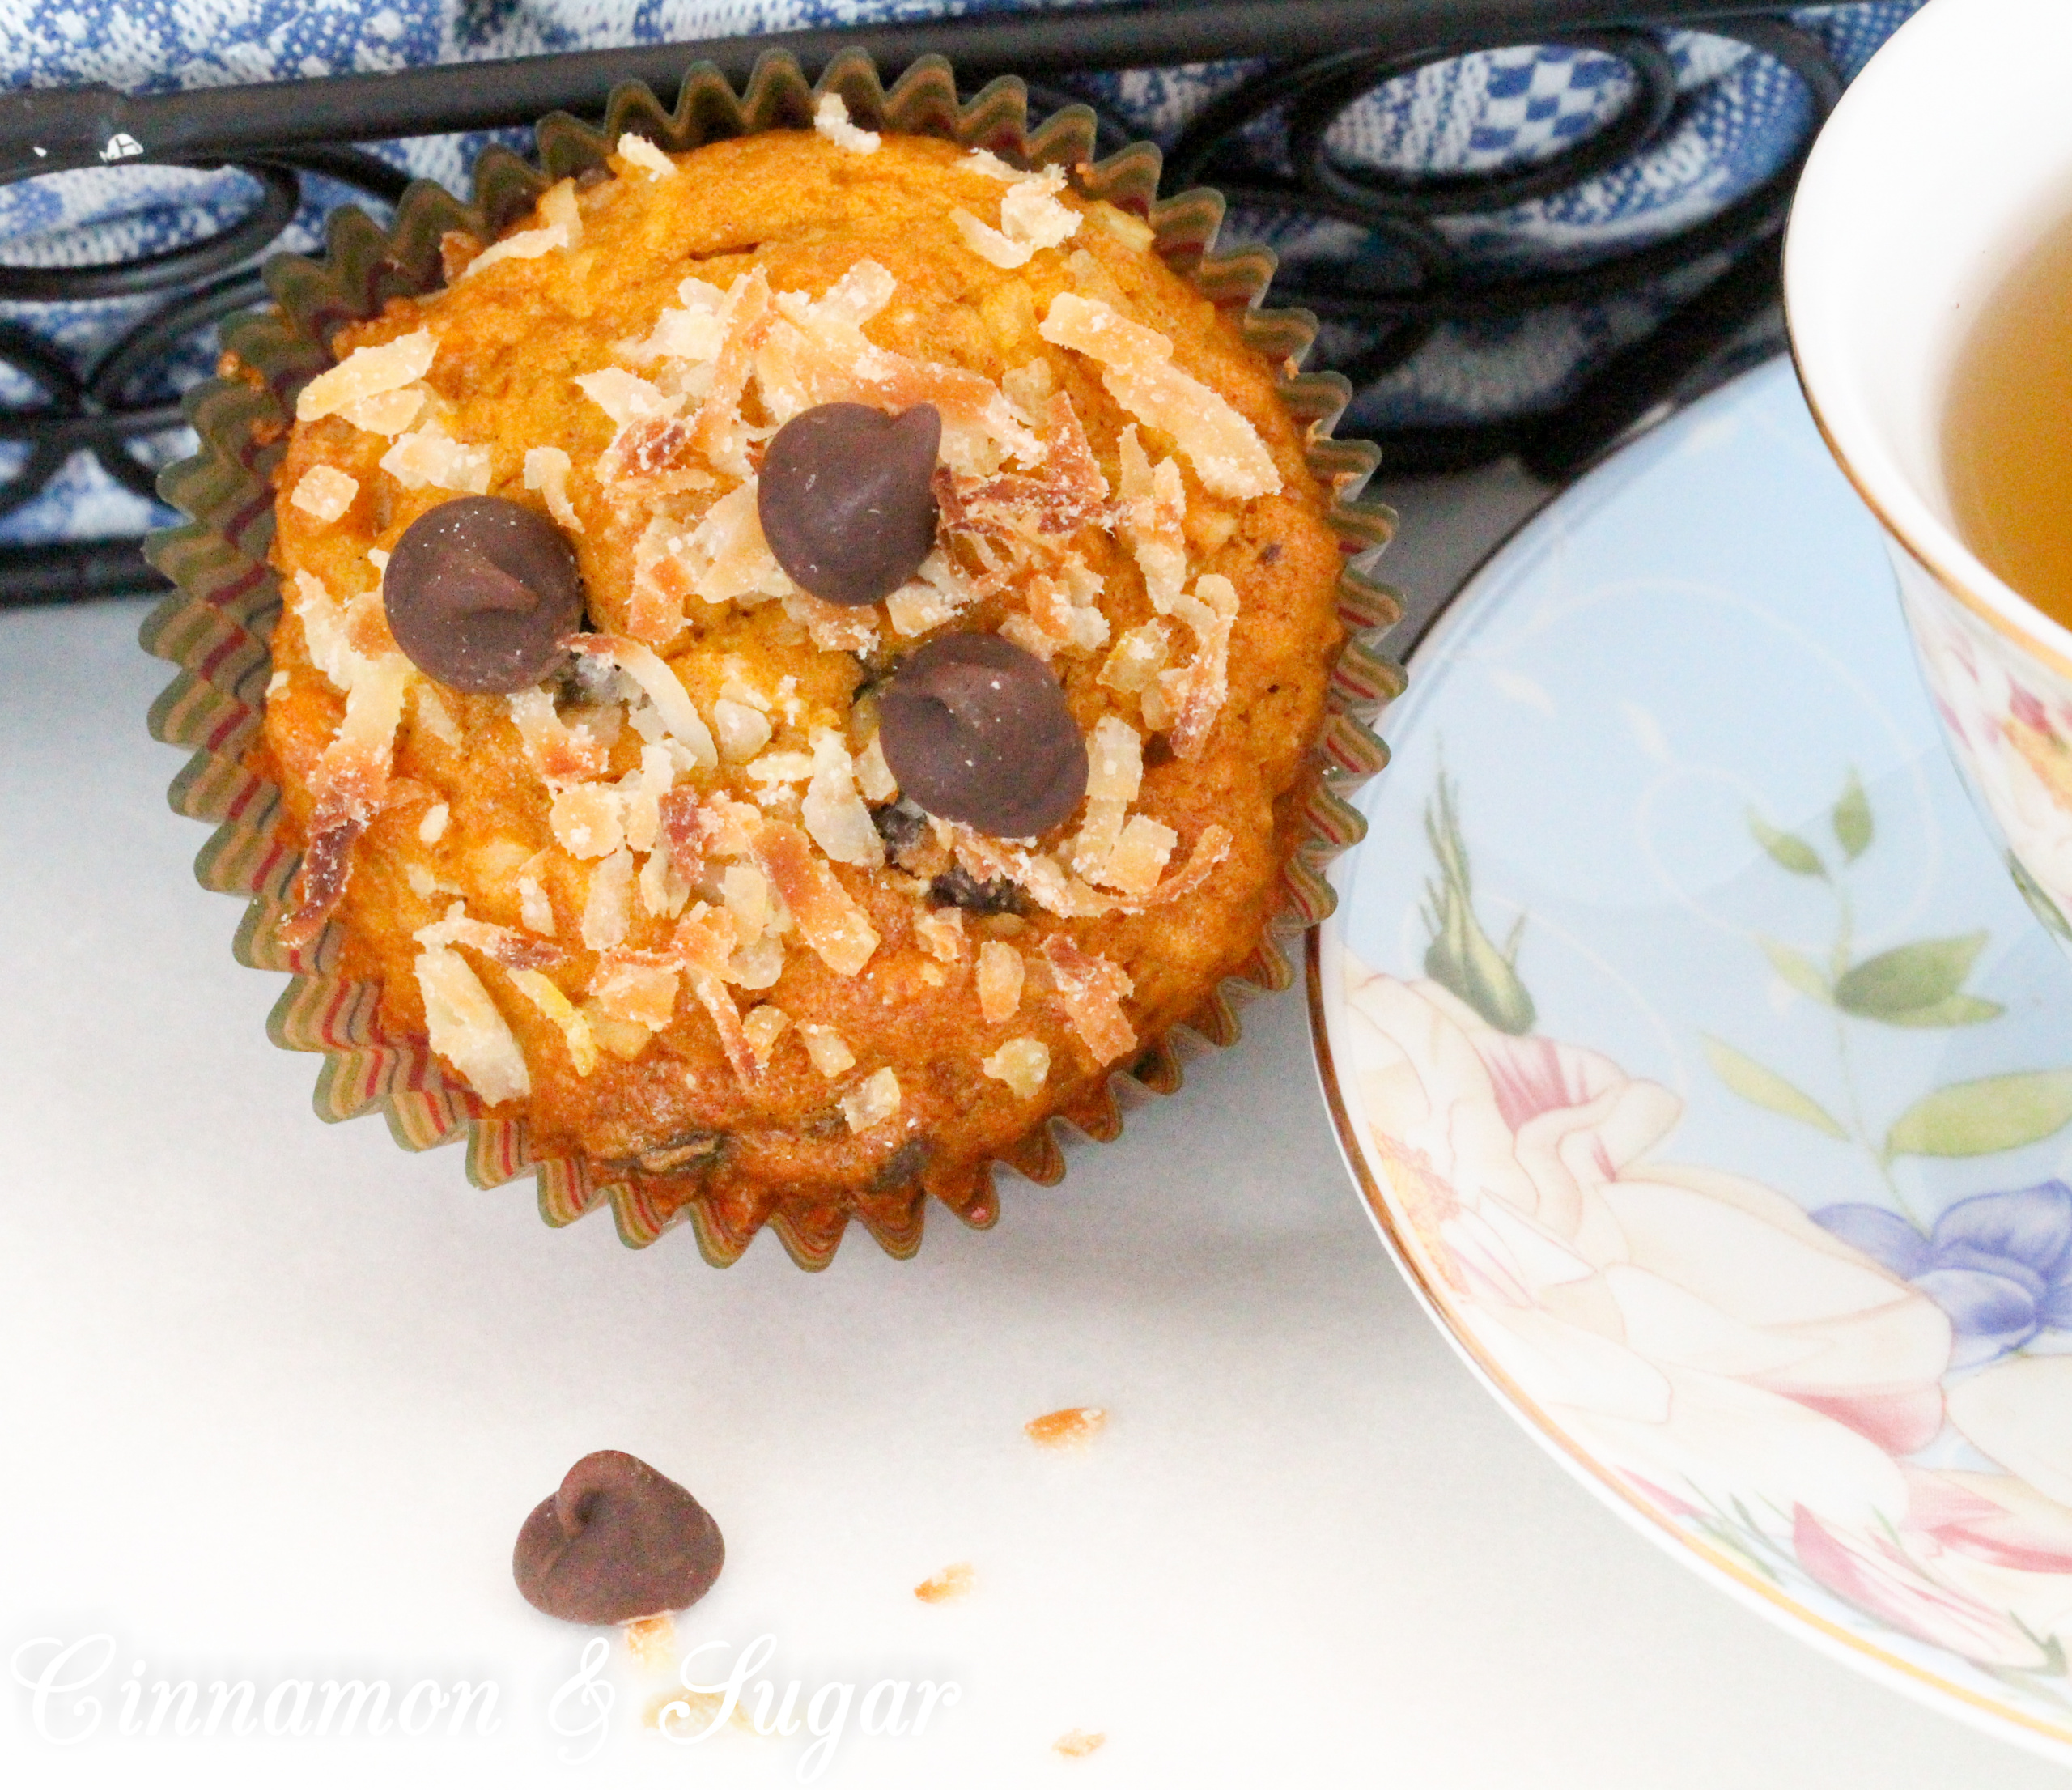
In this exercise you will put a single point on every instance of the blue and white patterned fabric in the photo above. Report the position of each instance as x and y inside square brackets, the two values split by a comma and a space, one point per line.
[1738, 117]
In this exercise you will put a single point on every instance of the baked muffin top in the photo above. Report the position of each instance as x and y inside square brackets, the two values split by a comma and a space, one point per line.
[746, 892]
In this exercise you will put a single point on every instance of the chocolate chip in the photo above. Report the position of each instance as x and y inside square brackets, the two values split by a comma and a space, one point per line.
[976, 730]
[480, 592]
[616, 1542]
[956, 887]
[845, 499]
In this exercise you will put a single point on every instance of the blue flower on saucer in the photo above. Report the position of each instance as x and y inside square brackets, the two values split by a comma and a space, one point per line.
[1999, 1263]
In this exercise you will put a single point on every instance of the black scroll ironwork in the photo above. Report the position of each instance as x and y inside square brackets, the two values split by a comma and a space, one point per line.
[1319, 57]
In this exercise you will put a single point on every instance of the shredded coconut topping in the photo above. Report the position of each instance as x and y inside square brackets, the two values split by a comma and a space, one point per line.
[875, 1100]
[828, 1049]
[324, 493]
[368, 372]
[1023, 1064]
[463, 1026]
[1137, 368]
[546, 472]
[645, 156]
[1091, 989]
[830, 118]
[1000, 973]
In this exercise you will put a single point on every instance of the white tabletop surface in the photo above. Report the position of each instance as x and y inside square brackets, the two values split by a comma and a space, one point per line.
[280, 1396]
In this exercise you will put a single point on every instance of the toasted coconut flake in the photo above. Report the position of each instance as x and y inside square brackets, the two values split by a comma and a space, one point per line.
[832, 925]
[660, 686]
[940, 931]
[368, 372]
[771, 768]
[705, 940]
[523, 245]
[1000, 975]
[1197, 689]
[1138, 657]
[635, 990]
[1136, 365]
[830, 118]
[499, 944]
[693, 331]
[1031, 213]
[1150, 517]
[874, 776]
[718, 431]
[1141, 855]
[626, 398]
[588, 820]
[641, 790]
[432, 825]
[833, 813]
[1114, 754]
[324, 493]
[832, 627]
[557, 206]
[350, 781]
[1091, 990]
[938, 593]
[757, 965]
[463, 1026]
[561, 754]
[546, 472]
[663, 890]
[1023, 1064]
[724, 559]
[741, 731]
[606, 907]
[986, 243]
[816, 355]
[385, 413]
[649, 458]
[575, 1029]
[535, 911]
[763, 1026]
[828, 1049]
[746, 892]
[1058, 891]
[1069, 494]
[430, 456]
[638, 152]
[875, 1100]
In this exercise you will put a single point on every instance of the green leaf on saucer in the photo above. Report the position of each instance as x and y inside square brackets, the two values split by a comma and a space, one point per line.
[1766, 1088]
[1788, 849]
[1984, 1117]
[1960, 1010]
[1797, 968]
[1851, 820]
[1900, 985]
[1461, 958]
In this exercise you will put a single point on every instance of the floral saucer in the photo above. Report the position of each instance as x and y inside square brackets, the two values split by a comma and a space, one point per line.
[1706, 1074]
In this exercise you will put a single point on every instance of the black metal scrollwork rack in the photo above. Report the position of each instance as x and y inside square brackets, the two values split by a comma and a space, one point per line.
[1320, 57]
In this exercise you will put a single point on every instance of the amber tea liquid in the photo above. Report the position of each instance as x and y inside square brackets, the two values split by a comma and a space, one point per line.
[2007, 441]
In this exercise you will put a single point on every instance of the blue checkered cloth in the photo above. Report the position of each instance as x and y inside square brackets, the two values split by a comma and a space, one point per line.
[1738, 117]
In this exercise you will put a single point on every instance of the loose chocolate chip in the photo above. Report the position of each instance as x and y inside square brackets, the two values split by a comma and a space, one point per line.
[480, 592]
[846, 501]
[956, 887]
[976, 730]
[616, 1542]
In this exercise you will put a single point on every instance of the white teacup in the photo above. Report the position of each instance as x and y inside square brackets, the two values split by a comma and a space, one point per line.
[1947, 162]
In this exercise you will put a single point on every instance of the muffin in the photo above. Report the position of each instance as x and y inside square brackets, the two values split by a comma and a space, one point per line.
[798, 662]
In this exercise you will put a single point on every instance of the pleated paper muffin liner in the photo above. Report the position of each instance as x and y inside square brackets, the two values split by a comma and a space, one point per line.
[216, 626]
